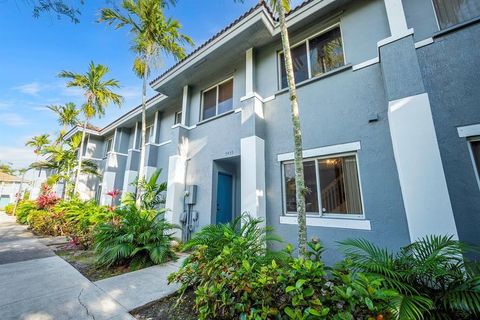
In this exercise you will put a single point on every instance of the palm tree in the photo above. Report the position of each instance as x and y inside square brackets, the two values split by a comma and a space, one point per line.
[38, 143]
[63, 159]
[67, 116]
[281, 7]
[152, 35]
[98, 94]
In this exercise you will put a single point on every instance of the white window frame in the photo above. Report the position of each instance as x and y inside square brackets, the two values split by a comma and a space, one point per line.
[216, 102]
[307, 41]
[106, 146]
[175, 116]
[148, 134]
[472, 157]
[319, 196]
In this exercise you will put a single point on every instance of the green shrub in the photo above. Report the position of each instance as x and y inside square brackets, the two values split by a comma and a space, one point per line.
[80, 219]
[138, 238]
[9, 208]
[431, 274]
[23, 210]
[240, 284]
[45, 222]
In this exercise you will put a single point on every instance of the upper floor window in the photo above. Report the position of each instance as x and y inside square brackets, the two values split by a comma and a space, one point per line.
[332, 182]
[315, 56]
[149, 134]
[178, 117]
[452, 12]
[218, 99]
[108, 145]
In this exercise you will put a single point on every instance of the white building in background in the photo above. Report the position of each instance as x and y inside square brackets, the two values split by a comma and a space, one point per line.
[9, 186]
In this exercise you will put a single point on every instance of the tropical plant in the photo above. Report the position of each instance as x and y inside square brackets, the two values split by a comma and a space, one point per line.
[67, 116]
[431, 274]
[38, 143]
[47, 198]
[152, 193]
[152, 35]
[245, 229]
[23, 210]
[9, 208]
[281, 8]
[138, 238]
[98, 93]
[239, 284]
[7, 168]
[63, 159]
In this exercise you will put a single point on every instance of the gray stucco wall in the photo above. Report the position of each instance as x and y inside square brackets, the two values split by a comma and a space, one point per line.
[451, 75]
[420, 16]
[335, 110]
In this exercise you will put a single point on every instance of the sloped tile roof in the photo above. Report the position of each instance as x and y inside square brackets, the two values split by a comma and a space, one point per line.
[5, 177]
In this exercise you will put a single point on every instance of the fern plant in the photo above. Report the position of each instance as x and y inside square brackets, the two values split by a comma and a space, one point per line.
[431, 275]
[217, 236]
[139, 238]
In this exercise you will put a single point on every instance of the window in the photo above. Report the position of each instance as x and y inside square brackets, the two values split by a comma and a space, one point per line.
[178, 117]
[149, 134]
[108, 145]
[475, 146]
[452, 12]
[332, 183]
[218, 100]
[315, 56]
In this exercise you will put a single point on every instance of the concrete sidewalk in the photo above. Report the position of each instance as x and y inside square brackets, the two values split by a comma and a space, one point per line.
[35, 284]
[136, 289]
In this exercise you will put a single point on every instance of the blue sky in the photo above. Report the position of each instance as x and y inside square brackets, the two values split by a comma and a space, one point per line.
[33, 51]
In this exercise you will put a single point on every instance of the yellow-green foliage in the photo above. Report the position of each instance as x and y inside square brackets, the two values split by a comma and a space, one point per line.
[9, 208]
[23, 210]
[45, 222]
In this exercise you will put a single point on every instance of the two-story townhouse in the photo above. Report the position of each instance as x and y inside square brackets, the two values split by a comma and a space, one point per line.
[388, 94]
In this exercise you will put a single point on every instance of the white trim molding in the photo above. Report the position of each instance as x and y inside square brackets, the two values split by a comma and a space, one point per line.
[423, 43]
[365, 64]
[420, 171]
[159, 144]
[469, 131]
[341, 223]
[328, 150]
[259, 97]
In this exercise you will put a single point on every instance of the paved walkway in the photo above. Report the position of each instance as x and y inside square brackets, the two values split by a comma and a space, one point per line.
[35, 284]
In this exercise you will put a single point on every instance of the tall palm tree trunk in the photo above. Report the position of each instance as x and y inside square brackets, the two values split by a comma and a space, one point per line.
[297, 134]
[80, 156]
[141, 170]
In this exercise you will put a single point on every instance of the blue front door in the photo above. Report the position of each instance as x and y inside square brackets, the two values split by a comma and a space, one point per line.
[224, 198]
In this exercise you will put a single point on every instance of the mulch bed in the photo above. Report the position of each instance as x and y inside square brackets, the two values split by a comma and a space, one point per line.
[84, 262]
[168, 308]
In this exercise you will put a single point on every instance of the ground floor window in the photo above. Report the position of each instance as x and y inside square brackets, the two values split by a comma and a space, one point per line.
[452, 12]
[332, 182]
[475, 145]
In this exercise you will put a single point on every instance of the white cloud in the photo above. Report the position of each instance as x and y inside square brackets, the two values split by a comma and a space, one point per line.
[12, 119]
[32, 88]
[129, 92]
[4, 105]
[20, 157]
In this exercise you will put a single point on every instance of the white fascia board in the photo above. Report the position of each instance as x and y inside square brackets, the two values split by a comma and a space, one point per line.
[322, 151]
[469, 131]
[259, 15]
[131, 115]
[304, 12]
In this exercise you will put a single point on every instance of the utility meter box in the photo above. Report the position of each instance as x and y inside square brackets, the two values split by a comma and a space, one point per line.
[191, 196]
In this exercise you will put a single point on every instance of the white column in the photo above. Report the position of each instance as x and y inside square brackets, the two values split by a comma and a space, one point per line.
[396, 17]
[185, 105]
[420, 169]
[249, 76]
[252, 150]
[175, 190]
